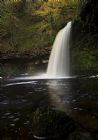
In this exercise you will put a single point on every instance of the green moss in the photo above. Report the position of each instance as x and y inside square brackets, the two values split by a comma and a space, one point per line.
[85, 54]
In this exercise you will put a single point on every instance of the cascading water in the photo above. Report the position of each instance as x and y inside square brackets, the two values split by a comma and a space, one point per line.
[59, 61]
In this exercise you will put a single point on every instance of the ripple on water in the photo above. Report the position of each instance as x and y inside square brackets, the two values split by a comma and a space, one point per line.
[78, 108]
[12, 124]
[7, 114]
[5, 102]
[27, 122]
[16, 119]
[11, 117]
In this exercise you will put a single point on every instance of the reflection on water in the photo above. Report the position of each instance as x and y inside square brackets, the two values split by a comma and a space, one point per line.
[59, 93]
[78, 98]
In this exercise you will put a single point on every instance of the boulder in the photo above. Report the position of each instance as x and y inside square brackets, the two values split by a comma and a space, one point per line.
[50, 123]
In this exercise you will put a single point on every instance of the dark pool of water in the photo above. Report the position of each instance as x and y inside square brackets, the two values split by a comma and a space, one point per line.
[78, 97]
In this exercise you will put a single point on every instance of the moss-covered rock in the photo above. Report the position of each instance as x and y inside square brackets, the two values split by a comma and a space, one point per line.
[49, 123]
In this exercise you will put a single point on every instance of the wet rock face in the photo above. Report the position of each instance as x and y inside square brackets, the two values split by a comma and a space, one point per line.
[87, 19]
[84, 44]
[88, 15]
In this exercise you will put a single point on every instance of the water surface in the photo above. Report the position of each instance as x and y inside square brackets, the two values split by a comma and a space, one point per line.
[19, 97]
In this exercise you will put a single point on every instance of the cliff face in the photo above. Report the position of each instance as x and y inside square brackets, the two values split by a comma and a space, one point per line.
[84, 50]
[88, 15]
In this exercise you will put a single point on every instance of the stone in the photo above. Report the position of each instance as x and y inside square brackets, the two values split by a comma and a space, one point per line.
[49, 123]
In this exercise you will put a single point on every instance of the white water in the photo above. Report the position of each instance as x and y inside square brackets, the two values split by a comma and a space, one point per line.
[59, 61]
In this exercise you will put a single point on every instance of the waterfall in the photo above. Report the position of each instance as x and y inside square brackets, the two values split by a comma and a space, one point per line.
[59, 61]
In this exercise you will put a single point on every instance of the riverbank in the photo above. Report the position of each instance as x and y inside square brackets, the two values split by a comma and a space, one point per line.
[24, 57]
